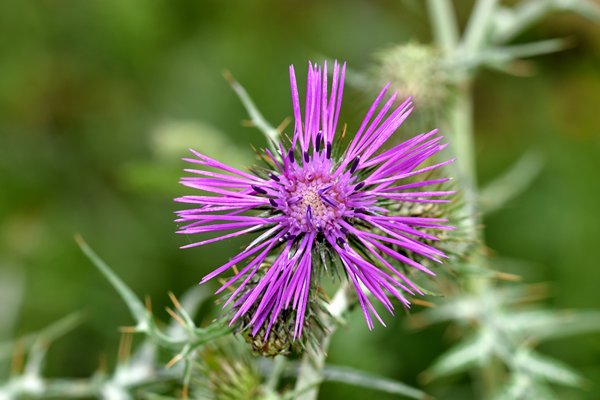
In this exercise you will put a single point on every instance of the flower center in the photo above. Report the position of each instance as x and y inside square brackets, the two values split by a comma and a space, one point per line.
[314, 203]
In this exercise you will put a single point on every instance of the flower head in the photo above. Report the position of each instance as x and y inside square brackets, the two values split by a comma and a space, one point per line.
[317, 201]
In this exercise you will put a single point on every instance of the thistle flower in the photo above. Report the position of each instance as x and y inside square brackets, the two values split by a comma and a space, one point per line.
[317, 201]
[415, 70]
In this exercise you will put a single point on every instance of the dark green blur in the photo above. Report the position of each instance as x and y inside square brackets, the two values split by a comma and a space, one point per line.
[99, 100]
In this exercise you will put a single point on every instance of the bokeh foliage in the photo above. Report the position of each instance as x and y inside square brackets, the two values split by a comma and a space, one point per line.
[100, 99]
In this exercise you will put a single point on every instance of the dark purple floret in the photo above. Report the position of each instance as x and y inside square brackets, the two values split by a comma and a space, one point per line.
[319, 200]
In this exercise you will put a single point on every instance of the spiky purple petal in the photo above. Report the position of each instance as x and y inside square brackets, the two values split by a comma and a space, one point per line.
[309, 198]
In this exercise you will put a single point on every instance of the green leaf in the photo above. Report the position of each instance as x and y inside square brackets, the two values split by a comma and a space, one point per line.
[473, 350]
[136, 307]
[351, 376]
[585, 8]
[499, 57]
[463, 308]
[540, 366]
[213, 331]
[46, 335]
[12, 283]
[523, 387]
[546, 324]
[510, 22]
[60, 327]
[355, 377]
[270, 133]
[510, 184]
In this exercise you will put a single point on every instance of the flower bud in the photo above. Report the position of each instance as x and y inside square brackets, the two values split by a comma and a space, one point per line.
[226, 372]
[417, 71]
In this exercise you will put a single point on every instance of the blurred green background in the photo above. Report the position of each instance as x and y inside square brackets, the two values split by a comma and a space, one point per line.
[99, 100]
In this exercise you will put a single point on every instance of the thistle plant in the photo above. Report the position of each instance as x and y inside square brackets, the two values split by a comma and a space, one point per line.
[336, 218]
[318, 207]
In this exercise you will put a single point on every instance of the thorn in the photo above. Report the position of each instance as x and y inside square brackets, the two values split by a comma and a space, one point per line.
[504, 276]
[535, 292]
[148, 303]
[423, 303]
[228, 76]
[235, 270]
[128, 329]
[185, 392]
[223, 282]
[124, 347]
[286, 121]
[324, 294]
[176, 317]
[79, 240]
[247, 123]
[344, 130]
[174, 360]
[176, 302]
[425, 377]
[18, 358]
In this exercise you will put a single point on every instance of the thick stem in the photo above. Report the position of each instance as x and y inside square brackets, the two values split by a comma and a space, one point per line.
[460, 123]
[309, 375]
[443, 24]
[461, 132]
[278, 368]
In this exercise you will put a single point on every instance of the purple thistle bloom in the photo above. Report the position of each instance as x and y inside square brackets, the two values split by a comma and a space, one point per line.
[317, 194]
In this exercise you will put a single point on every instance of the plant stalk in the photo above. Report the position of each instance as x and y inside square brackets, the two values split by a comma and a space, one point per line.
[311, 367]
[279, 364]
[461, 131]
[443, 24]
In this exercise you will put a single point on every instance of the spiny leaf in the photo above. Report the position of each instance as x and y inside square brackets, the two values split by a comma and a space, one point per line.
[523, 387]
[270, 133]
[546, 324]
[499, 57]
[351, 376]
[363, 379]
[510, 184]
[48, 334]
[136, 307]
[547, 368]
[471, 351]
[509, 22]
[456, 309]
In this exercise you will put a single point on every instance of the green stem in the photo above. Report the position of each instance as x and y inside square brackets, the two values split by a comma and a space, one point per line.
[461, 133]
[278, 367]
[270, 133]
[311, 367]
[443, 24]
[460, 129]
[478, 25]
